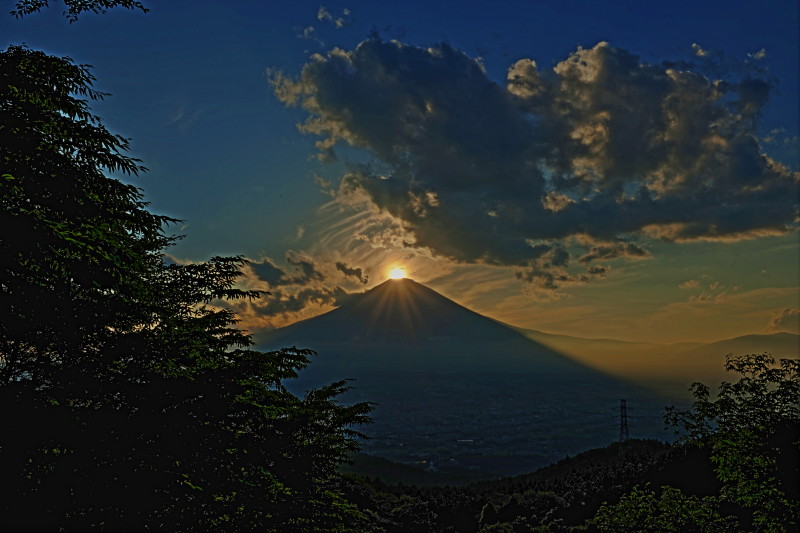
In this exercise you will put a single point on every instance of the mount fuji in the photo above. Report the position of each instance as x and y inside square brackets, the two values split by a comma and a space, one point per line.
[454, 387]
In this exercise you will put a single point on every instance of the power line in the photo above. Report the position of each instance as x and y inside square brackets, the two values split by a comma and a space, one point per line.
[623, 420]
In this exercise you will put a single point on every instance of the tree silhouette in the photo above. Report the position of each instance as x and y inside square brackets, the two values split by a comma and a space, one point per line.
[75, 7]
[752, 430]
[129, 398]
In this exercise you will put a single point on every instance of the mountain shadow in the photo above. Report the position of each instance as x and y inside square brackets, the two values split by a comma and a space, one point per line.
[456, 388]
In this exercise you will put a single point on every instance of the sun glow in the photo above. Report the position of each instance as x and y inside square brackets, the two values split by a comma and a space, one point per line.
[397, 273]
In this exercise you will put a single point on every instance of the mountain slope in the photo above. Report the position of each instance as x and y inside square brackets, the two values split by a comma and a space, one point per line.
[401, 324]
[398, 309]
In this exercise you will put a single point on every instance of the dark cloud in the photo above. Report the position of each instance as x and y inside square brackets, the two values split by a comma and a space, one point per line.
[598, 270]
[549, 270]
[603, 149]
[357, 273]
[268, 272]
[289, 303]
[304, 269]
[614, 251]
[303, 272]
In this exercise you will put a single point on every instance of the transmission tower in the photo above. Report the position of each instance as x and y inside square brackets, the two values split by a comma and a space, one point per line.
[623, 421]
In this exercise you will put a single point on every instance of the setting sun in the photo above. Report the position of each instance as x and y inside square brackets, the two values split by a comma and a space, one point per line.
[397, 273]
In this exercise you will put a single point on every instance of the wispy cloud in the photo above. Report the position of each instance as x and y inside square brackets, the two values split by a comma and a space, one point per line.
[309, 33]
[354, 272]
[786, 319]
[713, 317]
[182, 117]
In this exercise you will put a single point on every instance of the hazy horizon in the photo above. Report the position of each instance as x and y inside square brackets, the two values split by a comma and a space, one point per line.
[687, 342]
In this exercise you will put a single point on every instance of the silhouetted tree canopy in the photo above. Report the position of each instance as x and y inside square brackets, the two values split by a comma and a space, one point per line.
[128, 398]
[752, 431]
[75, 7]
[752, 427]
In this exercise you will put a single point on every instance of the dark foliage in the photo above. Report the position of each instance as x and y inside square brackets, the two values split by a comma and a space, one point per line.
[561, 496]
[76, 7]
[750, 433]
[130, 400]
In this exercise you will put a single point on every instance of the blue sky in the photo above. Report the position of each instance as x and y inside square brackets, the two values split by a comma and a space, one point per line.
[190, 84]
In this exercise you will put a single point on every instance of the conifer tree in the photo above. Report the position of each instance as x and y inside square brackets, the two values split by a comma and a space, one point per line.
[129, 400]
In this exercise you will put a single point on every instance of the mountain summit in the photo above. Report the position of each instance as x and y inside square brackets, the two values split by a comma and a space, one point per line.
[457, 387]
[404, 324]
[404, 310]
[399, 310]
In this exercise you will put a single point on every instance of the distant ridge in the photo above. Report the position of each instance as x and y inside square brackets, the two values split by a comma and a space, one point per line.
[453, 385]
[668, 368]
[781, 344]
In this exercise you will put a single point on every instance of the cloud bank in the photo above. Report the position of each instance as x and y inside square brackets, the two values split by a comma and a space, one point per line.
[296, 288]
[552, 171]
